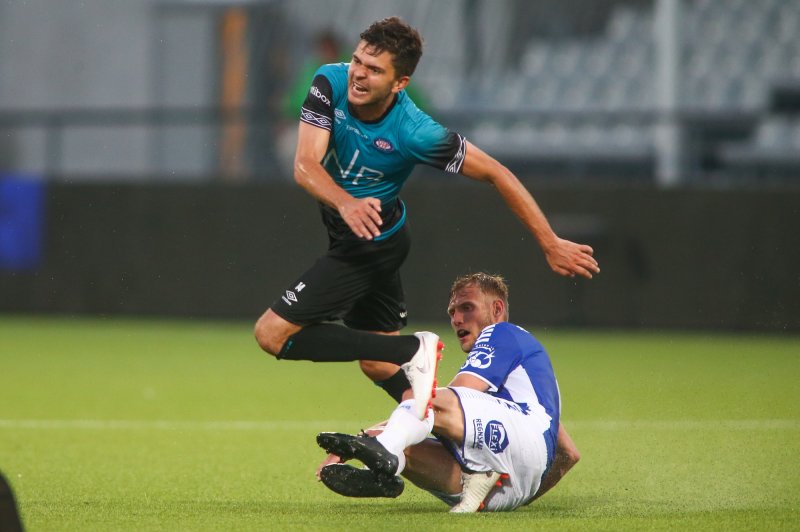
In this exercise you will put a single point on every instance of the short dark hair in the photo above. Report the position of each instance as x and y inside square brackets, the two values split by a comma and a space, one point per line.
[493, 285]
[399, 39]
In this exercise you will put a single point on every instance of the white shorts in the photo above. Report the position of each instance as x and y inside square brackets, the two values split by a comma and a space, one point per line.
[499, 437]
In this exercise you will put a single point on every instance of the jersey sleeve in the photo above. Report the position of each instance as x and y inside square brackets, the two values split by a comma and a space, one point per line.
[317, 109]
[493, 357]
[434, 145]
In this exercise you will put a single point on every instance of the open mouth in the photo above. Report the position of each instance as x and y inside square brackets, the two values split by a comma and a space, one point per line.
[461, 333]
[358, 89]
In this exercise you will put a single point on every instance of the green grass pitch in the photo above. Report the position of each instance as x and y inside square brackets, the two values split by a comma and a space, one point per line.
[109, 424]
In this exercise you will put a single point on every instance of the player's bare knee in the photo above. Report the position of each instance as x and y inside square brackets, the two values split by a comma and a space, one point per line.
[267, 338]
[446, 401]
[272, 332]
[573, 456]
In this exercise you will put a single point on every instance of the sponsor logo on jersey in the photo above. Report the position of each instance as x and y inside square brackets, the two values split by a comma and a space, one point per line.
[321, 97]
[356, 131]
[480, 357]
[477, 440]
[365, 176]
[339, 113]
[496, 437]
[383, 144]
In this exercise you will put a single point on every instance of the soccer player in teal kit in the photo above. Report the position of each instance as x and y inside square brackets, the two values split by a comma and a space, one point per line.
[360, 136]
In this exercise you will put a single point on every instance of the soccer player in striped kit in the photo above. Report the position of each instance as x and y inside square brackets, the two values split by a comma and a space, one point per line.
[500, 442]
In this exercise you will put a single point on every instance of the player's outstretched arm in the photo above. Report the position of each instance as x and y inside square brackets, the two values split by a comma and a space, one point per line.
[567, 455]
[361, 215]
[564, 257]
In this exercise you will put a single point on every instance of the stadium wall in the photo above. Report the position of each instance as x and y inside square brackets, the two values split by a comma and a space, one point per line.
[698, 259]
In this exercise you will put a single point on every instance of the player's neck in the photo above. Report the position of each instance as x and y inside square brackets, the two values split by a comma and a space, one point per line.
[373, 112]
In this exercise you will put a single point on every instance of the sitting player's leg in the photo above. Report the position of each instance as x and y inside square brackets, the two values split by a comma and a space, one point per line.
[498, 458]
[385, 452]
[403, 446]
[428, 465]
[501, 437]
[350, 481]
[431, 467]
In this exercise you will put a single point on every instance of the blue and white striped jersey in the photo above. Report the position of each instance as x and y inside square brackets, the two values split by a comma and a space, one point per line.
[517, 368]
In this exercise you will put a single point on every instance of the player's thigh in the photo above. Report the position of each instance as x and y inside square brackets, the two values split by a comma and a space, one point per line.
[325, 292]
[431, 467]
[352, 274]
[383, 308]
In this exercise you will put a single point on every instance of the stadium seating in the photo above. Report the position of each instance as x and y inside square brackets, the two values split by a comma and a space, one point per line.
[580, 96]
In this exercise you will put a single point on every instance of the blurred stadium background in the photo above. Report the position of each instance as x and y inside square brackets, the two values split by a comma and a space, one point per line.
[144, 148]
[144, 174]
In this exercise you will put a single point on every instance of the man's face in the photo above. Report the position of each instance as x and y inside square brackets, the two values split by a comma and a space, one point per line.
[470, 312]
[371, 78]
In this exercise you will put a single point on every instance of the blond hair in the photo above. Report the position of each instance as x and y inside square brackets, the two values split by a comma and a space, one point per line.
[493, 285]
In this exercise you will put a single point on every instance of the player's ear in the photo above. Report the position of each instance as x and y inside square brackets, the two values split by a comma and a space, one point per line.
[498, 309]
[400, 83]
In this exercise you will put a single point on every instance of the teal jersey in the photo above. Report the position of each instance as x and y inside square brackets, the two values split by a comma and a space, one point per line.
[374, 159]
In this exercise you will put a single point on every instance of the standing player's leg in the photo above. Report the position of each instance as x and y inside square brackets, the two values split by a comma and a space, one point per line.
[418, 355]
[383, 311]
[292, 329]
[272, 331]
[294, 326]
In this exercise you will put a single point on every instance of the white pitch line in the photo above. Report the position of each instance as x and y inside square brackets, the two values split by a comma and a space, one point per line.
[122, 424]
[685, 424]
[277, 425]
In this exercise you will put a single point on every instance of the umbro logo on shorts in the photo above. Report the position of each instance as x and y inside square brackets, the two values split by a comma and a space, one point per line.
[291, 296]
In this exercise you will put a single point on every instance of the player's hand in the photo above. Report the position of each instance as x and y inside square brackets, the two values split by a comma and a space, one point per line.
[363, 216]
[330, 459]
[570, 259]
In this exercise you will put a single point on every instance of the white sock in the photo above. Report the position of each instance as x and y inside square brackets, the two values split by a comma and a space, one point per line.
[403, 430]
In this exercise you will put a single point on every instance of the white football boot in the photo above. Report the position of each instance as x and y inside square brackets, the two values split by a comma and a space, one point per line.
[421, 371]
[475, 488]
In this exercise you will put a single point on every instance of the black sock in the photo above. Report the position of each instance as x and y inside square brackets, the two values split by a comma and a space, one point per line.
[395, 385]
[326, 342]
